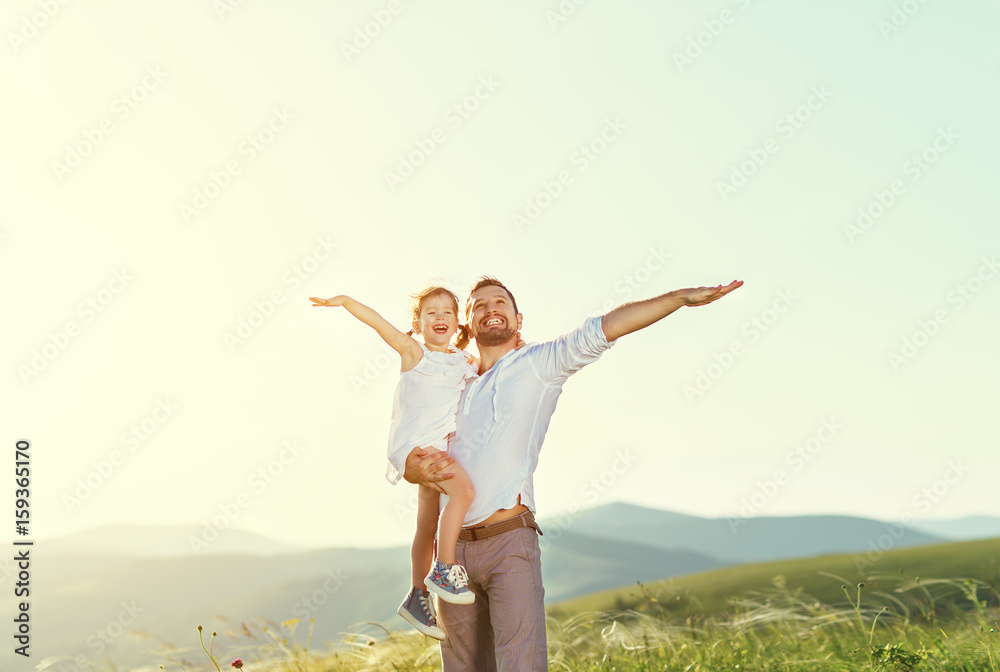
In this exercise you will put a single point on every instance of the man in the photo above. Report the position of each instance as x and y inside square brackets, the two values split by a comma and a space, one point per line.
[502, 419]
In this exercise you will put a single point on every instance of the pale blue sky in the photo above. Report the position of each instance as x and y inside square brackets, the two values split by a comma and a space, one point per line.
[329, 127]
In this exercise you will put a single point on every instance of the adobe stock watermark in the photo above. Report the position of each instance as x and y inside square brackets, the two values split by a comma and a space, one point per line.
[293, 277]
[7, 569]
[93, 137]
[42, 357]
[786, 126]
[561, 12]
[901, 14]
[924, 502]
[104, 637]
[626, 286]
[591, 492]
[752, 329]
[373, 368]
[248, 150]
[223, 8]
[581, 159]
[914, 168]
[406, 513]
[131, 440]
[32, 24]
[79, 664]
[258, 482]
[366, 33]
[271, 653]
[927, 329]
[712, 29]
[310, 604]
[796, 458]
[453, 117]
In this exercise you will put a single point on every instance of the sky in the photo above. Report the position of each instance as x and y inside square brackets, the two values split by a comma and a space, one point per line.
[179, 179]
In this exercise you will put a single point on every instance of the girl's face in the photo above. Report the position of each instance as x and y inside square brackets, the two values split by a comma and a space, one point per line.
[438, 321]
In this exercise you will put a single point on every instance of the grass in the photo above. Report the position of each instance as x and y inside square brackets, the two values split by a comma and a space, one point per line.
[804, 615]
[929, 626]
[711, 592]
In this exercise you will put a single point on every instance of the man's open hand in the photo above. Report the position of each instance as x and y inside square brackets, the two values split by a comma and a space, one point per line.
[699, 296]
[426, 467]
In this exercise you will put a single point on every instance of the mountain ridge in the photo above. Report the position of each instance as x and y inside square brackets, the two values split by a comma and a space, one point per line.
[175, 540]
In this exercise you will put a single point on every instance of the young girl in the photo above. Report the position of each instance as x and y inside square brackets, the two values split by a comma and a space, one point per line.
[432, 376]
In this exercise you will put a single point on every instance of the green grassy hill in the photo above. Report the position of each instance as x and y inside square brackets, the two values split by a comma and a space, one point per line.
[790, 616]
[711, 592]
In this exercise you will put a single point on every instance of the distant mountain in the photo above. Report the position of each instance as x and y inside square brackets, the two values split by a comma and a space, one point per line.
[739, 540]
[163, 541]
[576, 564]
[967, 528]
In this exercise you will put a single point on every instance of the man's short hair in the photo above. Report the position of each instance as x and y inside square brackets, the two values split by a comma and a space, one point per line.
[486, 281]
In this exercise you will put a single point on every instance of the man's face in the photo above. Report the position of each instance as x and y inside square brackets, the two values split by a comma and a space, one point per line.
[493, 320]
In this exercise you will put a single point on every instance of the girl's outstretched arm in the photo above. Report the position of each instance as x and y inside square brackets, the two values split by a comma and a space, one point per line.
[406, 346]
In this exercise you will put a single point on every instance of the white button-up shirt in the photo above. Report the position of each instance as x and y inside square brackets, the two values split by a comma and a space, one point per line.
[504, 413]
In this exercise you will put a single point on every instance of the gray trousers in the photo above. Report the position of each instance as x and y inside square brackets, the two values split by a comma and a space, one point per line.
[504, 629]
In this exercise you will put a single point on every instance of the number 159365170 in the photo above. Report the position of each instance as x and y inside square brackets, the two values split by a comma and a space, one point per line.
[22, 474]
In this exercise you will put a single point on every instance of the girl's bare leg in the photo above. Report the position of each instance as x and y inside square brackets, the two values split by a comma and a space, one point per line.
[422, 550]
[460, 493]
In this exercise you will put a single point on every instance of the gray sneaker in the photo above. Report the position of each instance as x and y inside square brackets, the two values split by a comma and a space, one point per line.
[418, 610]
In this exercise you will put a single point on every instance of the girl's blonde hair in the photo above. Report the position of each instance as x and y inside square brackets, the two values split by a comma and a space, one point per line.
[462, 337]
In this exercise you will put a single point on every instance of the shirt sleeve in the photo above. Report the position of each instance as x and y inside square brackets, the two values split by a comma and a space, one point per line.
[555, 361]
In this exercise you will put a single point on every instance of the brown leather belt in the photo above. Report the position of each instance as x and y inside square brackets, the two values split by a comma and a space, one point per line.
[526, 519]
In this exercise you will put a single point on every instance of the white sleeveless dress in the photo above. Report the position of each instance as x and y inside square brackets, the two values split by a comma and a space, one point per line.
[425, 405]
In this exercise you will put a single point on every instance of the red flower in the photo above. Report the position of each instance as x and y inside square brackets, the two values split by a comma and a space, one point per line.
[238, 663]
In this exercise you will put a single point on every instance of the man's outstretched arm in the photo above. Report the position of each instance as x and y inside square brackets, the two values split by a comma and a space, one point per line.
[637, 315]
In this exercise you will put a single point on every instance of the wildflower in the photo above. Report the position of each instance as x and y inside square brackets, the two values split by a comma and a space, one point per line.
[238, 663]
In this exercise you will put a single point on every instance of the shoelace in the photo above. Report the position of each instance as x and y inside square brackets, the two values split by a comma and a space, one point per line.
[457, 576]
[427, 606]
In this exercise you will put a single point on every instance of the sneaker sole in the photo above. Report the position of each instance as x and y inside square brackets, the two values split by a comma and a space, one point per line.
[430, 631]
[465, 598]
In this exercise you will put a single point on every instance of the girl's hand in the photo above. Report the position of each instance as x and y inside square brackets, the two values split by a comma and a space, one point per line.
[332, 302]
